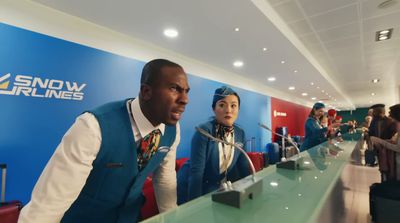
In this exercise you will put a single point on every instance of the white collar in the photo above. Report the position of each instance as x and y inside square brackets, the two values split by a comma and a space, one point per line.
[142, 123]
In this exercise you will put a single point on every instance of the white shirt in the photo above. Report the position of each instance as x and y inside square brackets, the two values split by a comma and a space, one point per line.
[229, 152]
[66, 172]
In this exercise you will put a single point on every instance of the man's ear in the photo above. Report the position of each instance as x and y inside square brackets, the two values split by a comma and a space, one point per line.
[146, 92]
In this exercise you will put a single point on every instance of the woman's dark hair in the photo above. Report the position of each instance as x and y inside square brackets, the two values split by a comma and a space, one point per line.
[312, 113]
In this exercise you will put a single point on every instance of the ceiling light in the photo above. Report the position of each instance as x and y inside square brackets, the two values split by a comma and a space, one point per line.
[265, 49]
[237, 29]
[383, 34]
[386, 4]
[292, 88]
[375, 81]
[312, 83]
[373, 94]
[320, 101]
[295, 71]
[270, 79]
[382, 37]
[304, 94]
[238, 63]
[313, 98]
[317, 87]
[322, 91]
[171, 33]
[282, 62]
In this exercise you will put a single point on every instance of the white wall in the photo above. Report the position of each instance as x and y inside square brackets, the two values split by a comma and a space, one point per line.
[35, 17]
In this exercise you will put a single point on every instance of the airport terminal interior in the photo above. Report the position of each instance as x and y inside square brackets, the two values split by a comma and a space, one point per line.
[199, 111]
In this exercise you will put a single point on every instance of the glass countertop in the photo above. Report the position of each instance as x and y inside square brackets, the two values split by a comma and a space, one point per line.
[287, 195]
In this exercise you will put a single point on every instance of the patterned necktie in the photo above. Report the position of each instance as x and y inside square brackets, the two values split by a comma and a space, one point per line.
[148, 146]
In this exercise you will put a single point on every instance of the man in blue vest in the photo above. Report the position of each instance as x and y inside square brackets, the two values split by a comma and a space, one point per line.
[97, 172]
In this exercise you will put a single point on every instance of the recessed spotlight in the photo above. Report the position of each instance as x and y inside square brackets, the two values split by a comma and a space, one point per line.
[237, 29]
[282, 62]
[317, 87]
[376, 80]
[304, 94]
[323, 91]
[383, 34]
[265, 49]
[270, 79]
[238, 63]
[373, 94]
[386, 4]
[312, 83]
[171, 33]
[295, 71]
[382, 37]
[313, 98]
[292, 88]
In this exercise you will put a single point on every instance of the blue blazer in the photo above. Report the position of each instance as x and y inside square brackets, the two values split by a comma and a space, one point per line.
[314, 134]
[201, 174]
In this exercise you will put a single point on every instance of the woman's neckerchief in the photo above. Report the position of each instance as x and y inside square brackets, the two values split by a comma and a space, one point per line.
[222, 132]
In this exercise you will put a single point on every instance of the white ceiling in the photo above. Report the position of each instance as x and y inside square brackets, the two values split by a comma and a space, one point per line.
[339, 34]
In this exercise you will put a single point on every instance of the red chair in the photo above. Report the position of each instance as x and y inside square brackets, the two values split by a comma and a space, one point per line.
[150, 207]
[179, 163]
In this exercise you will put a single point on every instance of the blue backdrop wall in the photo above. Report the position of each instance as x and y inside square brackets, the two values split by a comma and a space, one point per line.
[46, 82]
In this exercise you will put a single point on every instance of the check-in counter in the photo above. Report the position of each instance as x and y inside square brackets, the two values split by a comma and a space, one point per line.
[302, 195]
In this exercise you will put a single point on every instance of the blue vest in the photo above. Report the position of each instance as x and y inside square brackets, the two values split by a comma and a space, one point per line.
[113, 189]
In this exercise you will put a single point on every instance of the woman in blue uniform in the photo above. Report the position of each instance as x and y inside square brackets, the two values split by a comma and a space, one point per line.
[211, 162]
[315, 132]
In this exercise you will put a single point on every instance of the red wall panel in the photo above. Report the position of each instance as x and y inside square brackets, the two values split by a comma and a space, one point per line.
[284, 113]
